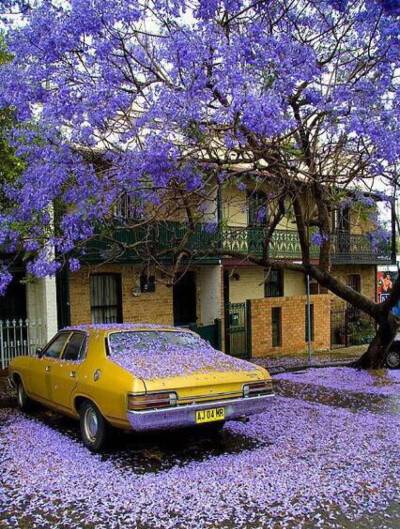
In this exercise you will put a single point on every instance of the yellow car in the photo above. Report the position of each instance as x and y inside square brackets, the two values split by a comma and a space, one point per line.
[138, 377]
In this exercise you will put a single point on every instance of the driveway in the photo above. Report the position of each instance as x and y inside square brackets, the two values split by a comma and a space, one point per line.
[326, 454]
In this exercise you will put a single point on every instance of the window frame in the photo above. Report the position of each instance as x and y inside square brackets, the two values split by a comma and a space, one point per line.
[256, 199]
[118, 306]
[48, 345]
[276, 311]
[312, 322]
[82, 350]
[269, 284]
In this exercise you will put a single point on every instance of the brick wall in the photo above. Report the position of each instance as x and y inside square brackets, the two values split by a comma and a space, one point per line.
[292, 324]
[368, 276]
[151, 307]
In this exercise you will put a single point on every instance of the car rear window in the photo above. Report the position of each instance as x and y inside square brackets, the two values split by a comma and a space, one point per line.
[153, 354]
[148, 340]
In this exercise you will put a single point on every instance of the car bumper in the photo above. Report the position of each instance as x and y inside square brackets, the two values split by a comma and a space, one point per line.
[185, 415]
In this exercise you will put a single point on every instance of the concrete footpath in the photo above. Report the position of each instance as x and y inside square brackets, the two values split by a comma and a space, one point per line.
[296, 362]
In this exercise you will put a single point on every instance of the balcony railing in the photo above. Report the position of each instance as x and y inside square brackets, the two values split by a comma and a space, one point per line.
[285, 244]
[162, 237]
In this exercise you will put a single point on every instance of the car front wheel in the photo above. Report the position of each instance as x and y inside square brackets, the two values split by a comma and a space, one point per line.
[24, 402]
[94, 428]
[393, 359]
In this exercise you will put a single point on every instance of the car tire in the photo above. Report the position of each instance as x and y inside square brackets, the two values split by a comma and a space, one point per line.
[24, 402]
[93, 426]
[393, 359]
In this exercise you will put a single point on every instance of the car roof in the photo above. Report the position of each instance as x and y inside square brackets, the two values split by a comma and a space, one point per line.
[107, 328]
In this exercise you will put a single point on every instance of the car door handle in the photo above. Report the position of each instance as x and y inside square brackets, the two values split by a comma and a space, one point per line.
[72, 374]
[47, 369]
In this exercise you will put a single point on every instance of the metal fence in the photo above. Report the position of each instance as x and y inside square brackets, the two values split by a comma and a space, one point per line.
[20, 337]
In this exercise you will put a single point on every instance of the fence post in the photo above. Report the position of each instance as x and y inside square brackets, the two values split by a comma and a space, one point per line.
[248, 328]
[218, 325]
[3, 362]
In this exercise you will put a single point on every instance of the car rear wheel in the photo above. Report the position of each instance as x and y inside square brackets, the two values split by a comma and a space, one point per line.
[24, 402]
[94, 428]
[393, 359]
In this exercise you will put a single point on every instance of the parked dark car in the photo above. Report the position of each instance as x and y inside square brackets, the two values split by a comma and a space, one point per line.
[393, 356]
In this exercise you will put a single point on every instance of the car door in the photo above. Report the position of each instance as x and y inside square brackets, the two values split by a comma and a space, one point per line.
[41, 367]
[64, 372]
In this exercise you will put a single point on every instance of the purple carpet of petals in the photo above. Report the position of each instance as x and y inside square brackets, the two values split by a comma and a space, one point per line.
[382, 382]
[310, 462]
[151, 355]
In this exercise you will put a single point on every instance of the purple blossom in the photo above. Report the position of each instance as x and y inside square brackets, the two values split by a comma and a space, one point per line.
[318, 238]
[383, 382]
[299, 465]
[74, 264]
[79, 69]
[5, 280]
[156, 354]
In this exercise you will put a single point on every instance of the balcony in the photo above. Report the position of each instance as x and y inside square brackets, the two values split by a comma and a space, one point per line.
[347, 248]
[158, 239]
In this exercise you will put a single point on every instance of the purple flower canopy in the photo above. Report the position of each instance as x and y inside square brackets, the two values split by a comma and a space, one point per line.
[111, 75]
[157, 354]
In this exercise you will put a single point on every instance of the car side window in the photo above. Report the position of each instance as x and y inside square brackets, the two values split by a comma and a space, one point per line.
[53, 350]
[75, 347]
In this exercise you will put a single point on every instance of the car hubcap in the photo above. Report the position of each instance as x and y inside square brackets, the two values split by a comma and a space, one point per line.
[393, 359]
[91, 425]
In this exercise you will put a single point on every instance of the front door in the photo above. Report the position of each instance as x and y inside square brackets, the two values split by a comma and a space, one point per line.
[41, 368]
[185, 299]
[64, 372]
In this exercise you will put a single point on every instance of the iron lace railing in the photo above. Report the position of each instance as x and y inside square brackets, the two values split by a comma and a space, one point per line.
[163, 237]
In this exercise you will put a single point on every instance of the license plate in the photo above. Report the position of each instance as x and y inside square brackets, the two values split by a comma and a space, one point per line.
[213, 414]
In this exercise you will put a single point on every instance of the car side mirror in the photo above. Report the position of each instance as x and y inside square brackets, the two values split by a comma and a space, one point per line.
[39, 352]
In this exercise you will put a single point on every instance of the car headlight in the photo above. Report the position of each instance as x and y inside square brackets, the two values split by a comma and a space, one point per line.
[151, 400]
[258, 388]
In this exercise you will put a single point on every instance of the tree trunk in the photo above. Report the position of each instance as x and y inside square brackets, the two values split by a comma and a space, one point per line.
[375, 356]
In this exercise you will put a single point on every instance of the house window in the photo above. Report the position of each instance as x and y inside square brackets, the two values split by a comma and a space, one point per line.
[257, 207]
[315, 288]
[106, 298]
[354, 281]
[341, 220]
[273, 286]
[312, 322]
[128, 207]
[276, 317]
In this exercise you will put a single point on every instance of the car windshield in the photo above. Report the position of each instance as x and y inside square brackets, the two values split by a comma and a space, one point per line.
[153, 354]
[149, 340]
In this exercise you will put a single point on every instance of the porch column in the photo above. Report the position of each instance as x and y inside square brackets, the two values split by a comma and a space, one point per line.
[42, 305]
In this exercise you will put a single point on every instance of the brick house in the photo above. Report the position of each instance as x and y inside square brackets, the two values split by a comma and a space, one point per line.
[241, 307]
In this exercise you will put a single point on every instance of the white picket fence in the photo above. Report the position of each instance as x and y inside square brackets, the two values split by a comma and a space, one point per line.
[20, 337]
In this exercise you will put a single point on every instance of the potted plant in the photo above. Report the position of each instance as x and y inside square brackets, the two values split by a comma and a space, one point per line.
[361, 331]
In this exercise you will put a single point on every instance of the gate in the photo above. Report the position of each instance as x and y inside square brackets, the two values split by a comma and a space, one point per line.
[350, 326]
[237, 330]
[210, 333]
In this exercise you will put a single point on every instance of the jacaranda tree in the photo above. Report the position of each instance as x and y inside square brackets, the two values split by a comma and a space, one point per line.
[159, 98]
